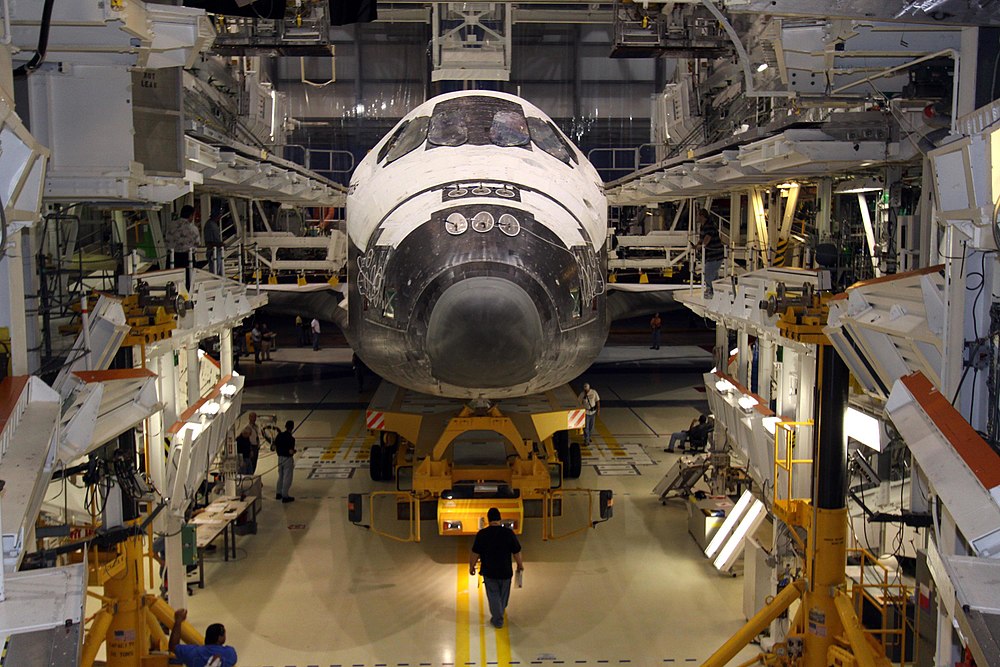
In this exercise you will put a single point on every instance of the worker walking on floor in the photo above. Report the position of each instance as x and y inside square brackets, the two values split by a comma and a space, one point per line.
[591, 403]
[284, 447]
[655, 324]
[493, 547]
[314, 327]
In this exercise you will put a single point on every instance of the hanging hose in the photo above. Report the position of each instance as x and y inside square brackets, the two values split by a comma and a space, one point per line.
[43, 42]
[3, 231]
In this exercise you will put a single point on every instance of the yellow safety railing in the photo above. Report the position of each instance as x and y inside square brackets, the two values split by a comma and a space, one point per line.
[883, 590]
[411, 499]
[550, 513]
[785, 504]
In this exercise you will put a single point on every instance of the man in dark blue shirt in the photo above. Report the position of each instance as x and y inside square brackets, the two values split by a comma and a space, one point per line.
[494, 545]
[213, 654]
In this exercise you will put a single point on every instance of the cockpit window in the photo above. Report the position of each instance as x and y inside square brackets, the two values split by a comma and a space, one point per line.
[479, 120]
[448, 128]
[509, 128]
[546, 137]
[392, 141]
[409, 137]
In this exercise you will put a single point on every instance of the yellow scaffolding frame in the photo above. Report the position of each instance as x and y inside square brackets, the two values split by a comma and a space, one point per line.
[884, 593]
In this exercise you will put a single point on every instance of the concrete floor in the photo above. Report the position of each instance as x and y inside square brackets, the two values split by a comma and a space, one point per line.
[310, 588]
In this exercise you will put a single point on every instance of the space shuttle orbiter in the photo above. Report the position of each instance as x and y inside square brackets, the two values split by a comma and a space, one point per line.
[477, 251]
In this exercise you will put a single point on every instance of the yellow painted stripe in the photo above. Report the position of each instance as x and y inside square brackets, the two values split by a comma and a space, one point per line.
[610, 440]
[503, 646]
[481, 590]
[350, 422]
[462, 655]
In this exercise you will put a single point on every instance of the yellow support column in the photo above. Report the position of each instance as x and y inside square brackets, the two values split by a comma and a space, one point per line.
[95, 637]
[756, 625]
[828, 550]
[127, 638]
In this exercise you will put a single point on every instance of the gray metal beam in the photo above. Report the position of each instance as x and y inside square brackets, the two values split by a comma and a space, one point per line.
[942, 12]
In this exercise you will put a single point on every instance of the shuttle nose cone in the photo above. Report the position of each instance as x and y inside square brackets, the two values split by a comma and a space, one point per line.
[484, 332]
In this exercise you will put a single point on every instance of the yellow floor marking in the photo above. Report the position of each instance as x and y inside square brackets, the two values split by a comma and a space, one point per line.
[472, 628]
[462, 655]
[481, 589]
[503, 645]
[350, 422]
[610, 440]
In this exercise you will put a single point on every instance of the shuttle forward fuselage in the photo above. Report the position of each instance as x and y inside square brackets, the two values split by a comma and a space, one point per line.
[477, 251]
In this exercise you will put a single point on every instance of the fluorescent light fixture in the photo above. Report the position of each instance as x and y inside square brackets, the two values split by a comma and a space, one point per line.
[864, 428]
[854, 186]
[274, 113]
[235, 374]
[727, 526]
[770, 424]
[201, 353]
[210, 408]
[761, 67]
[747, 402]
[788, 186]
[714, 368]
[734, 546]
[228, 390]
[724, 386]
[733, 352]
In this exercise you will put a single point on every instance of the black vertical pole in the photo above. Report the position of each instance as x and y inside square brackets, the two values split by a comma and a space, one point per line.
[831, 461]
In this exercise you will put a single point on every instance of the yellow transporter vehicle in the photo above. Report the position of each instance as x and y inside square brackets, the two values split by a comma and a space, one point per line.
[453, 460]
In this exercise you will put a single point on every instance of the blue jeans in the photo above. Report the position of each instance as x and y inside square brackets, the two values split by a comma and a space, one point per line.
[588, 426]
[677, 439]
[655, 344]
[315, 335]
[286, 466]
[497, 594]
[711, 274]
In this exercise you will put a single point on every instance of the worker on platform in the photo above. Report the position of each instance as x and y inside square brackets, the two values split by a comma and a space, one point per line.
[715, 252]
[493, 547]
[591, 403]
[214, 653]
[182, 236]
[284, 447]
[655, 324]
[214, 245]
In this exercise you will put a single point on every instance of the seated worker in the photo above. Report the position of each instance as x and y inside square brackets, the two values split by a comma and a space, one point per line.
[698, 436]
[213, 654]
[678, 438]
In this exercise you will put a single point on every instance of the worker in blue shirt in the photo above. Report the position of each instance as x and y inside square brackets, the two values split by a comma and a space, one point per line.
[213, 654]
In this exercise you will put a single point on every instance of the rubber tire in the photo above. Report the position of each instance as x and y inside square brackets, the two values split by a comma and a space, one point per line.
[375, 465]
[574, 465]
[562, 451]
[388, 463]
[560, 439]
